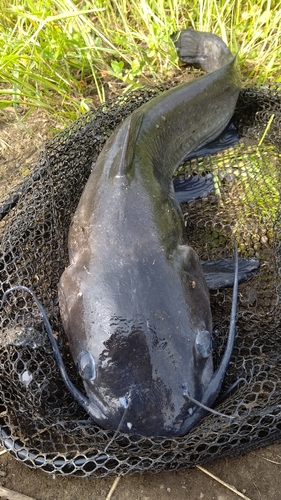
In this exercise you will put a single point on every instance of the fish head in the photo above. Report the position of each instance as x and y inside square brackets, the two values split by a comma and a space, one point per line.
[137, 368]
[142, 392]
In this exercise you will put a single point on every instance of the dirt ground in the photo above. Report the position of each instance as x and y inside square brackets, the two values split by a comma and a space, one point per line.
[20, 143]
[256, 475]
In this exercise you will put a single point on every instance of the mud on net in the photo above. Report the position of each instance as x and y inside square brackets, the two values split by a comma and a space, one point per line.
[38, 417]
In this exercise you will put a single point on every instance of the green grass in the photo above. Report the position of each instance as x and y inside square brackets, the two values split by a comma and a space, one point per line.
[63, 55]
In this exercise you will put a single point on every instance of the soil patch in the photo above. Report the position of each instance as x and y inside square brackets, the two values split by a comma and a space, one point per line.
[21, 138]
[256, 475]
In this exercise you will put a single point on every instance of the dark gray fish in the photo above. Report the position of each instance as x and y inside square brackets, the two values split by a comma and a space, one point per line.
[134, 301]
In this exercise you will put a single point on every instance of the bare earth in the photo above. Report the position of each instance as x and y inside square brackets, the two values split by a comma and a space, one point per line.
[256, 475]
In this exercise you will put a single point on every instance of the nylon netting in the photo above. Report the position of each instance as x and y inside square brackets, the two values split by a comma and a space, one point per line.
[39, 420]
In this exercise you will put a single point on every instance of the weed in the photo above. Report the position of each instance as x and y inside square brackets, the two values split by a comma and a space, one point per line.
[63, 55]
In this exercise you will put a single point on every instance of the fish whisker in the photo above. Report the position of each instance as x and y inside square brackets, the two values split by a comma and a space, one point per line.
[211, 410]
[233, 386]
[128, 400]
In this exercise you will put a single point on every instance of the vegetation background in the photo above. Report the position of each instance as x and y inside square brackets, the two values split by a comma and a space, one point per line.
[65, 55]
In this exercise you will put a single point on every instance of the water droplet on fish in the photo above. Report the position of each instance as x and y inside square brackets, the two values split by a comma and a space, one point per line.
[123, 402]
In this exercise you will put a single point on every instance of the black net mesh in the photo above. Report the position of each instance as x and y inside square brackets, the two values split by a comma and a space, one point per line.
[40, 422]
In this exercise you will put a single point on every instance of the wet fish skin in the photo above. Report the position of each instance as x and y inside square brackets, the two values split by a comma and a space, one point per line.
[134, 301]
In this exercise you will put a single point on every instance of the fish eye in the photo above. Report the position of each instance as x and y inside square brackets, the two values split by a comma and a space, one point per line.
[86, 365]
[203, 344]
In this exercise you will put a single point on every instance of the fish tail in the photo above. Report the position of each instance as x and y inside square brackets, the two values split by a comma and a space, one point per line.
[204, 50]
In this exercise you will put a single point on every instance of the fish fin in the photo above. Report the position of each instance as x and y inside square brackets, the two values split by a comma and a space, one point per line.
[226, 139]
[192, 187]
[200, 49]
[220, 273]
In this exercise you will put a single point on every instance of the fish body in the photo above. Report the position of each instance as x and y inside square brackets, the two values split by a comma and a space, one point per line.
[134, 301]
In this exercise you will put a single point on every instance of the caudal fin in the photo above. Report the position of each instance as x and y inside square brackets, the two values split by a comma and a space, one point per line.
[200, 49]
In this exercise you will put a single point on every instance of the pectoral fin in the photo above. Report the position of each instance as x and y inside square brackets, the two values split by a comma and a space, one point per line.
[220, 273]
